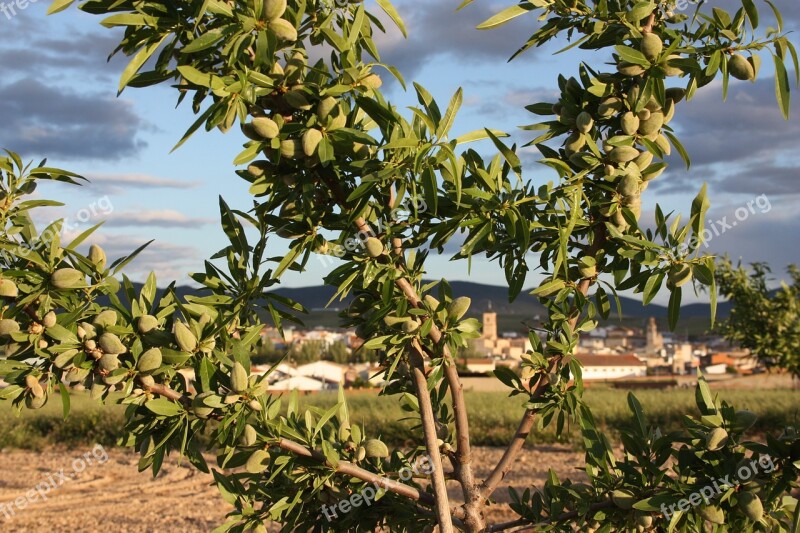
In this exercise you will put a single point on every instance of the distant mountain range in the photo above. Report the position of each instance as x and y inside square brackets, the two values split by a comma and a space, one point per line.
[511, 316]
[495, 297]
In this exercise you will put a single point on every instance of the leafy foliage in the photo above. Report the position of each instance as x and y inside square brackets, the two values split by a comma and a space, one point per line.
[761, 320]
[331, 163]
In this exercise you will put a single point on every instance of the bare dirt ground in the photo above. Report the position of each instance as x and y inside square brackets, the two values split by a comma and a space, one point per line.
[87, 494]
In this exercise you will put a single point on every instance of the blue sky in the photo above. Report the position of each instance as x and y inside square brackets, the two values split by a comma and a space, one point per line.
[58, 100]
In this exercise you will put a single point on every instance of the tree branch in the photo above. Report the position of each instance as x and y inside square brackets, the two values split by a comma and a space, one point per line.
[530, 526]
[431, 441]
[514, 448]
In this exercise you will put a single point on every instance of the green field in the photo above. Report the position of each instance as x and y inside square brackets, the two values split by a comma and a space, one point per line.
[493, 416]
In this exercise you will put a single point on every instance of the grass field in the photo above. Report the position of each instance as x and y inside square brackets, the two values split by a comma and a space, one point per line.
[493, 416]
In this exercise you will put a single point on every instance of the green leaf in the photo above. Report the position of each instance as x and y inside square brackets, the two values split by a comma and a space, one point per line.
[751, 11]
[479, 135]
[390, 10]
[674, 308]
[782, 87]
[58, 6]
[508, 377]
[164, 407]
[631, 55]
[510, 156]
[138, 61]
[505, 16]
[450, 114]
[65, 399]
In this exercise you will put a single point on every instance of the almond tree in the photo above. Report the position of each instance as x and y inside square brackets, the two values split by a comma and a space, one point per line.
[330, 162]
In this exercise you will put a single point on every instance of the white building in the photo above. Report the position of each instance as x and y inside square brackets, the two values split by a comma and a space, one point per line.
[300, 383]
[324, 371]
[612, 366]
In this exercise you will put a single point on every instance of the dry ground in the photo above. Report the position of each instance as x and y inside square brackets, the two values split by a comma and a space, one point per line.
[113, 498]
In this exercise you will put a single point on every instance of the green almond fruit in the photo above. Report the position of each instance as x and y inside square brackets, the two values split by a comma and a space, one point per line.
[609, 107]
[711, 513]
[184, 338]
[458, 307]
[31, 381]
[325, 106]
[644, 160]
[644, 520]
[265, 127]
[150, 360]
[311, 139]
[630, 69]
[628, 185]
[291, 148]
[618, 220]
[111, 344]
[644, 114]
[274, 9]
[740, 68]
[109, 362]
[623, 154]
[89, 331]
[8, 289]
[651, 46]
[432, 303]
[361, 453]
[410, 327]
[283, 30]
[249, 435]
[375, 448]
[373, 81]
[259, 168]
[676, 94]
[297, 100]
[629, 123]
[146, 323]
[50, 319]
[584, 122]
[258, 462]
[751, 505]
[255, 405]
[653, 124]
[663, 143]
[8, 326]
[75, 374]
[238, 377]
[67, 278]
[97, 256]
[717, 437]
[669, 111]
[147, 381]
[116, 377]
[374, 247]
[32, 402]
[393, 321]
[677, 277]
[575, 142]
[250, 132]
[105, 319]
[670, 68]
[623, 499]
[339, 121]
